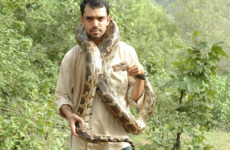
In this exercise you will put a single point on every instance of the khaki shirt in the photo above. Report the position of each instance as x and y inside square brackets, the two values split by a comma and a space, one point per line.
[69, 88]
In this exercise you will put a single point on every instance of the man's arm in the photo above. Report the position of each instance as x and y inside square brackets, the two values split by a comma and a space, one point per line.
[135, 69]
[71, 117]
[138, 89]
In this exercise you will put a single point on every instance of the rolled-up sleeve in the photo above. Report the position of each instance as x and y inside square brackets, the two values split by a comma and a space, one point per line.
[64, 94]
[133, 103]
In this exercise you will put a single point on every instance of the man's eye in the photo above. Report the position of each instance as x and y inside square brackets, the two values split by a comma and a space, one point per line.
[89, 18]
[101, 18]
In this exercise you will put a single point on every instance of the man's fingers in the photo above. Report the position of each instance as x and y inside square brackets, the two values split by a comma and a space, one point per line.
[73, 128]
[133, 73]
[130, 66]
[79, 119]
[131, 69]
[72, 120]
[135, 69]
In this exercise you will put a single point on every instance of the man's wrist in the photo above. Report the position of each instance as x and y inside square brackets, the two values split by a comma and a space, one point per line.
[66, 110]
[142, 77]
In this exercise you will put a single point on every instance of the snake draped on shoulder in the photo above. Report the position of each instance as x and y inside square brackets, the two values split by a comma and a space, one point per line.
[97, 79]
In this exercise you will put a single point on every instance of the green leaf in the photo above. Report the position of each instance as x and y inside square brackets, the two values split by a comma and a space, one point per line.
[191, 51]
[189, 60]
[214, 59]
[187, 130]
[202, 45]
[208, 115]
[192, 88]
[22, 134]
[171, 76]
[35, 93]
[171, 125]
[219, 50]
[211, 93]
[179, 54]
[168, 84]
[39, 124]
[146, 132]
[219, 43]
[182, 86]
[177, 46]
[196, 34]
[171, 117]
[42, 131]
[157, 141]
[213, 72]
[177, 64]
[153, 128]
[189, 34]
[176, 106]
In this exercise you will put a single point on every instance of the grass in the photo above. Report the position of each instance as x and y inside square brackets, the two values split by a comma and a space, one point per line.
[219, 139]
[139, 139]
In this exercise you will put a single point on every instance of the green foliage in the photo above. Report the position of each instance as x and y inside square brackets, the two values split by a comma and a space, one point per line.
[34, 37]
[164, 3]
[210, 17]
[221, 106]
[152, 38]
[191, 91]
[32, 125]
[30, 53]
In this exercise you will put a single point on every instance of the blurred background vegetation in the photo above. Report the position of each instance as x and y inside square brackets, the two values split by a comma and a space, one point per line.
[177, 41]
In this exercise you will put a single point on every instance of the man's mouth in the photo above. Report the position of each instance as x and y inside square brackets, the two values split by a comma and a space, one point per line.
[95, 31]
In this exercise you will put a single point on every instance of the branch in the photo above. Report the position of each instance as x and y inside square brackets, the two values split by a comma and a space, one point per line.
[177, 144]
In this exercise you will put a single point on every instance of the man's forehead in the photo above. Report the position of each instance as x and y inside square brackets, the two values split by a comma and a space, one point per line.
[94, 12]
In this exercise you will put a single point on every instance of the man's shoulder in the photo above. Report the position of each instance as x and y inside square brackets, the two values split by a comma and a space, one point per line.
[75, 50]
[126, 47]
[72, 54]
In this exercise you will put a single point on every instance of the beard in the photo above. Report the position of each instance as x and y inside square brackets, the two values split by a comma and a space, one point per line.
[97, 35]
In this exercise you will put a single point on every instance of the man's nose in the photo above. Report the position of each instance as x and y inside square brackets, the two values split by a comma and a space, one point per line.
[95, 23]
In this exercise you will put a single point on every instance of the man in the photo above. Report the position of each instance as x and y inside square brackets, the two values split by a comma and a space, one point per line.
[128, 84]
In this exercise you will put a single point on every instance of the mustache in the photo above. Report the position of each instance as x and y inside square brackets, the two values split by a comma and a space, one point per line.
[95, 29]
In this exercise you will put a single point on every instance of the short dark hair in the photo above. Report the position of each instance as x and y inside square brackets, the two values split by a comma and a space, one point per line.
[94, 4]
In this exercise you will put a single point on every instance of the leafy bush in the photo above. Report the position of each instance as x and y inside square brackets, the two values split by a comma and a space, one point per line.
[33, 125]
[221, 106]
[191, 91]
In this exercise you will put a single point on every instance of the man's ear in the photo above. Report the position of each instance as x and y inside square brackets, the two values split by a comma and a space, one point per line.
[108, 20]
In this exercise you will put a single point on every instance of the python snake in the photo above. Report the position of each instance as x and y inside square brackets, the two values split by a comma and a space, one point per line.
[97, 78]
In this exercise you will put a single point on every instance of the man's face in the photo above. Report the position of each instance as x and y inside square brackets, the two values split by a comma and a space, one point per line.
[95, 22]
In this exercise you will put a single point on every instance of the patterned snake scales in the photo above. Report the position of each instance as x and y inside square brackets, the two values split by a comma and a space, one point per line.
[97, 78]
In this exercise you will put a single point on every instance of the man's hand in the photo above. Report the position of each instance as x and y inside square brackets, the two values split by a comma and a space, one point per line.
[135, 69]
[71, 117]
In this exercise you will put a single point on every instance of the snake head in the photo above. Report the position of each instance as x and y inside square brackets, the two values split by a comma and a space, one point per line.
[82, 126]
[121, 66]
[77, 124]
